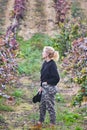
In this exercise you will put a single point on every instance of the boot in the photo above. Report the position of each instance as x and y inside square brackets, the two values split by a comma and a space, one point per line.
[38, 126]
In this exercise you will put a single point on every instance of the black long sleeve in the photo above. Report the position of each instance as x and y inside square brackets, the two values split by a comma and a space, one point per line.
[49, 73]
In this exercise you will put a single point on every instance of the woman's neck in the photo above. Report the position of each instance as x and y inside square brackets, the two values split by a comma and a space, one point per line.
[48, 59]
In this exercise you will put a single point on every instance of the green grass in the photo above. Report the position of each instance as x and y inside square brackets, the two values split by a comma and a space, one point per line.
[78, 128]
[18, 93]
[40, 40]
[33, 117]
[68, 118]
[5, 108]
[59, 98]
[30, 64]
[1, 100]
[31, 52]
[2, 118]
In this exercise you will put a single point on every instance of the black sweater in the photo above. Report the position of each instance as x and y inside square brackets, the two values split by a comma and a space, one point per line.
[49, 73]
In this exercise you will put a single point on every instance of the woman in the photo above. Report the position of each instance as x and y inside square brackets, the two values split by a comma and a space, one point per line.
[49, 80]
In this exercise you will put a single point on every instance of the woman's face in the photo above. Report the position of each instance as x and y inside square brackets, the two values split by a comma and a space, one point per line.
[44, 54]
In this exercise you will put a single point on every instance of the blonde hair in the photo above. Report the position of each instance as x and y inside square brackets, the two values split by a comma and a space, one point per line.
[52, 54]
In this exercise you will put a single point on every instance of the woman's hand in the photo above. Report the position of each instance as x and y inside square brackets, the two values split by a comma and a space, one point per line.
[40, 89]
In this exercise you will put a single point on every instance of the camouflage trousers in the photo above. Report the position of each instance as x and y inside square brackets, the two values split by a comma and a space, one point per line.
[47, 103]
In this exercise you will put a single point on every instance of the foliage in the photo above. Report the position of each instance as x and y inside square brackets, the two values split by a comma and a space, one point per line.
[76, 67]
[8, 64]
[68, 33]
[76, 60]
[61, 7]
[77, 99]
[9, 47]
[72, 28]
[75, 64]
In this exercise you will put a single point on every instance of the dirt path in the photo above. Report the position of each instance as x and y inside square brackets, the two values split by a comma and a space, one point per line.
[39, 18]
[7, 12]
[3, 10]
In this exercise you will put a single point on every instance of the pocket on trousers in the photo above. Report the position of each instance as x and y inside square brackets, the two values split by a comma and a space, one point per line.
[52, 90]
